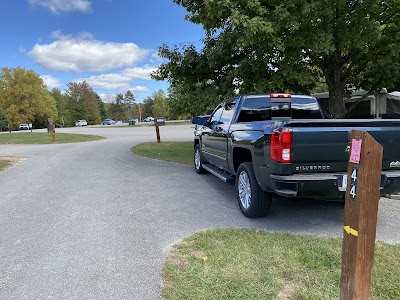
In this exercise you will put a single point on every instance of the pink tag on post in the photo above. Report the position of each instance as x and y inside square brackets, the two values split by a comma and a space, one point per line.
[355, 151]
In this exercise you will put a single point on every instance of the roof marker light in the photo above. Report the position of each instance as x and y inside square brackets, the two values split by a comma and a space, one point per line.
[280, 95]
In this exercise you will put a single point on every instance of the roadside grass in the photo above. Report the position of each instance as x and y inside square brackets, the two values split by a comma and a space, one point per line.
[179, 152]
[8, 161]
[253, 264]
[4, 164]
[46, 138]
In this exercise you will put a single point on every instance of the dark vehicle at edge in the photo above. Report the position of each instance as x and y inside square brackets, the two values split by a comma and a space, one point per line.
[280, 144]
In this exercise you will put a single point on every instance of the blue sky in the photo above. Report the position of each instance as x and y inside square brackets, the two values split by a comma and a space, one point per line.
[112, 44]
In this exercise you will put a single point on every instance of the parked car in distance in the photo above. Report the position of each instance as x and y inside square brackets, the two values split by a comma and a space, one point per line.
[23, 127]
[81, 123]
[148, 119]
[108, 122]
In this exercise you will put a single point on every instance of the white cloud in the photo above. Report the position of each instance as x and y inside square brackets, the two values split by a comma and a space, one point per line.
[139, 73]
[60, 6]
[108, 98]
[51, 81]
[112, 82]
[140, 88]
[107, 82]
[156, 58]
[84, 54]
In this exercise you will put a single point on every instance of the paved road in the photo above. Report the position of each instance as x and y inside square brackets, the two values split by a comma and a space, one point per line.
[93, 221]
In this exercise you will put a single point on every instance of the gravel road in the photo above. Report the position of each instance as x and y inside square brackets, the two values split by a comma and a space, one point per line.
[93, 221]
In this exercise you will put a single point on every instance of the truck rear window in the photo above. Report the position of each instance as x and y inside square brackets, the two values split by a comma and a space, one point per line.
[305, 108]
[255, 109]
[259, 109]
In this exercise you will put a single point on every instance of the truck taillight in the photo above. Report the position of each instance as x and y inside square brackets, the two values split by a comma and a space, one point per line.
[281, 146]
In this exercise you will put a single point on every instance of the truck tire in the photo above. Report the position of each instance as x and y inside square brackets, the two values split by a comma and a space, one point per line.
[198, 160]
[253, 201]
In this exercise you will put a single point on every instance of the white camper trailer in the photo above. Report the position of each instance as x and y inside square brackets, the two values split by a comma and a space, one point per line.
[382, 105]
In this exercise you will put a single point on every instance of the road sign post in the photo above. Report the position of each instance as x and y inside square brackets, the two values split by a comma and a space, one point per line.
[50, 125]
[158, 122]
[54, 134]
[360, 216]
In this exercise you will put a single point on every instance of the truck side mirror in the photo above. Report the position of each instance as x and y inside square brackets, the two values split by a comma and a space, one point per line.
[202, 120]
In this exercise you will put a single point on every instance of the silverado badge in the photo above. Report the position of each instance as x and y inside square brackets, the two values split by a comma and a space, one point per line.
[395, 164]
[313, 168]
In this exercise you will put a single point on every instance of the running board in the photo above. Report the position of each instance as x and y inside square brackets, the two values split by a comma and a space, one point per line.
[221, 175]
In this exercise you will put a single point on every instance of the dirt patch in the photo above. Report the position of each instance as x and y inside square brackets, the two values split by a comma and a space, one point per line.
[9, 161]
[289, 291]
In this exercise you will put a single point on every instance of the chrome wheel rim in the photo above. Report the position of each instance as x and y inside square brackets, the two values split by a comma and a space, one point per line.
[244, 189]
[197, 161]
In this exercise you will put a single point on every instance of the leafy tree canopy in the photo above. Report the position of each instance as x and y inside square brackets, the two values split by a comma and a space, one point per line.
[24, 97]
[258, 46]
[160, 106]
[4, 121]
[61, 105]
[147, 107]
[123, 107]
[102, 108]
[81, 103]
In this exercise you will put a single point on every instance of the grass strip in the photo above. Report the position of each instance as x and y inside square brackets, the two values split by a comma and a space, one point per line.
[179, 152]
[46, 138]
[253, 264]
[8, 161]
[4, 164]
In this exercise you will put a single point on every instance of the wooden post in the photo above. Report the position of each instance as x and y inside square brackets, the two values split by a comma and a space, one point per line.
[158, 134]
[360, 216]
[54, 134]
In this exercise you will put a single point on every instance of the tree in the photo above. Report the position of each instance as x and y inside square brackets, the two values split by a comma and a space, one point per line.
[117, 109]
[258, 46]
[147, 107]
[24, 97]
[61, 105]
[4, 121]
[82, 103]
[129, 99]
[102, 108]
[160, 106]
[185, 100]
[198, 82]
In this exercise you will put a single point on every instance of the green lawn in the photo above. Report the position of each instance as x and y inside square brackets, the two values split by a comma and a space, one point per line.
[45, 138]
[252, 264]
[179, 152]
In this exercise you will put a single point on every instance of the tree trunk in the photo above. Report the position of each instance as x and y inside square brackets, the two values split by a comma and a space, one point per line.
[336, 105]
[336, 86]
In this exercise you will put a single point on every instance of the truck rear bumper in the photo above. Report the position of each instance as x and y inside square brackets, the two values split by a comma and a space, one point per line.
[327, 185]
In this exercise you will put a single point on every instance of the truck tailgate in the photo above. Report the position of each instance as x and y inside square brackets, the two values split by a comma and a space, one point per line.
[323, 145]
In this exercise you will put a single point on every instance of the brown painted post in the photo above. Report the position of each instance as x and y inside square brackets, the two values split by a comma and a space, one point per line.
[54, 134]
[360, 216]
[158, 134]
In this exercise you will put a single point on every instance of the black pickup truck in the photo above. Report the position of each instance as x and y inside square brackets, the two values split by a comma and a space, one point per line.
[280, 144]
